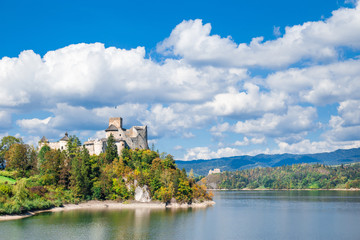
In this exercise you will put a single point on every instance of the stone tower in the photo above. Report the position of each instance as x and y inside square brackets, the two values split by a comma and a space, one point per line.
[116, 121]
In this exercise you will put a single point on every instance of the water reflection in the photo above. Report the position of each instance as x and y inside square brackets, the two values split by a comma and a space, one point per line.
[236, 215]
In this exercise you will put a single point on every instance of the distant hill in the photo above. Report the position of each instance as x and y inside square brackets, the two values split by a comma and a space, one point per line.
[202, 167]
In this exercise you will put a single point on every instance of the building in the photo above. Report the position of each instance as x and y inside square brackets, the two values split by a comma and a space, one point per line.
[61, 144]
[135, 137]
[216, 170]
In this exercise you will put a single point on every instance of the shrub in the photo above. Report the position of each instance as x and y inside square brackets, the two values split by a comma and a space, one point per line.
[6, 190]
[38, 190]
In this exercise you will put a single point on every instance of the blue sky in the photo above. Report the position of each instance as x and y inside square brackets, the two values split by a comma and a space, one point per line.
[208, 78]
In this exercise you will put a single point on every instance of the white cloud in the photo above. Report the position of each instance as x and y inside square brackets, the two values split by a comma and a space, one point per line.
[188, 135]
[296, 121]
[307, 146]
[276, 31]
[87, 73]
[246, 104]
[178, 147]
[80, 86]
[260, 140]
[244, 142]
[320, 85]
[192, 41]
[206, 153]
[350, 112]
[346, 126]
[34, 125]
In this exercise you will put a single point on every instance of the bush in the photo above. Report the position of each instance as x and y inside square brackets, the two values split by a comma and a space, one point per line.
[6, 190]
[38, 190]
[9, 174]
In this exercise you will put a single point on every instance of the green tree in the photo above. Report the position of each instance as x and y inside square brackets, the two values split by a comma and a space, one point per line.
[73, 146]
[50, 167]
[17, 158]
[81, 172]
[6, 143]
[184, 192]
[42, 153]
[111, 149]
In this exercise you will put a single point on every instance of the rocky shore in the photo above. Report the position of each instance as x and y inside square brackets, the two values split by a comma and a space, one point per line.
[99, 205]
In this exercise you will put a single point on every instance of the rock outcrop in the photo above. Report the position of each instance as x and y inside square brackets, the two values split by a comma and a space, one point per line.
[142, 194]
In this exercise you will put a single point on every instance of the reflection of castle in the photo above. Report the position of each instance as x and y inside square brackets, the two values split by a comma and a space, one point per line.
[135, 137]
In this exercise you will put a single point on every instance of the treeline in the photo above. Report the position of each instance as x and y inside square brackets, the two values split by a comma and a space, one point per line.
[48, 177]
[298, 176]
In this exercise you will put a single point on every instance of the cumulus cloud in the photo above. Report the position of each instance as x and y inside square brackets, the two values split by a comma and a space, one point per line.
[307, 146]
[248, 103]
[246, 141]
[88, 73]
[320, 85]
[204, 81]
[345, 126]
[172, 120]
[296, 120]
[317, 41]
[207, 153]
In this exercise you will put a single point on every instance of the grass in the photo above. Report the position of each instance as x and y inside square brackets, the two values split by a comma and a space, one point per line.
[6, 179]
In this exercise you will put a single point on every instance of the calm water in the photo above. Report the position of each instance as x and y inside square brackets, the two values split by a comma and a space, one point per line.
[236, 215]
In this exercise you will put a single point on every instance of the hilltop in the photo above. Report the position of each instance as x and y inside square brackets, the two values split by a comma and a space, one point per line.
[202, 167]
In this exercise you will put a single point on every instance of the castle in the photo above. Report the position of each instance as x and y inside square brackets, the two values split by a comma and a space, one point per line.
[135, 137]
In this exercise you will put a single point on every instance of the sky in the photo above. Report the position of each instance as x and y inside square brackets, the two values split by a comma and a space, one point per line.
[210, 79]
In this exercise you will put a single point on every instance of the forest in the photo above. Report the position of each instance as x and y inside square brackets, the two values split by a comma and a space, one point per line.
[297, 176]
[33, 179]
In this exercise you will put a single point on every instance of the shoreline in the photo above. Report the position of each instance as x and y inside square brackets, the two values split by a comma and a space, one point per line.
[104, 205]
[302, 189]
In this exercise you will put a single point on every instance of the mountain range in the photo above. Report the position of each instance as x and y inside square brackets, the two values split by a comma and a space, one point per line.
[202, 167]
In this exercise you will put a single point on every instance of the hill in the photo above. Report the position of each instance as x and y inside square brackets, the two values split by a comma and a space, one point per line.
[202, 167]
[297, 176]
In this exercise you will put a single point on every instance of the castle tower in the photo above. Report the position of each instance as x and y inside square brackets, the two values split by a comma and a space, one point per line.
[116, 121]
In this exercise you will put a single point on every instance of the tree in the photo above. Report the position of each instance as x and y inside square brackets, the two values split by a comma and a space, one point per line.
[6, 143]
[81, 172]
[17, 158]
[111, 149]
[73, 146]
[191, 173]
[42, 153]
[49, 168]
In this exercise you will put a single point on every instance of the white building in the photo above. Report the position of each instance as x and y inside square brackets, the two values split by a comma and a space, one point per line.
[216, 170]
[135, 137]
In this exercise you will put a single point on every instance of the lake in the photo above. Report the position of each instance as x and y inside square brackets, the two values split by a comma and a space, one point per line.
[236, 215]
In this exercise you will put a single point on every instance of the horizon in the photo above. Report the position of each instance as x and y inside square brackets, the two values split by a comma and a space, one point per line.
[208, 80]
[269, 155]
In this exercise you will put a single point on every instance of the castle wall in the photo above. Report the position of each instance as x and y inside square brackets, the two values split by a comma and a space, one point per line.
[54, 145]
[135, 137]
[120, 146]
[62, 145]
[99, 147]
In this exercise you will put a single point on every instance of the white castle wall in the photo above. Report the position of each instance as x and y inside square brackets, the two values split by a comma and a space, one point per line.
[135, 137]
